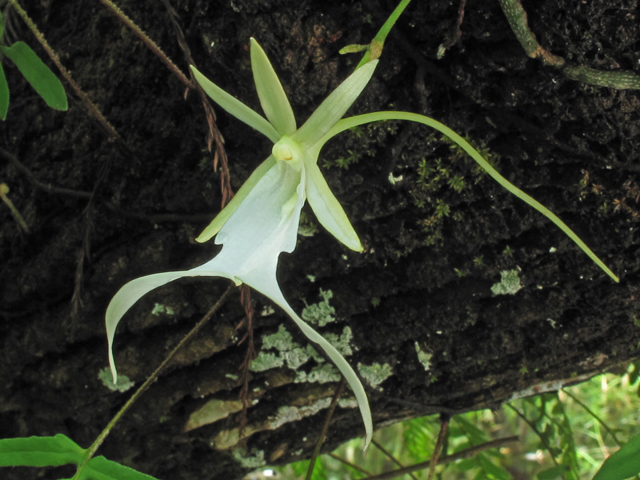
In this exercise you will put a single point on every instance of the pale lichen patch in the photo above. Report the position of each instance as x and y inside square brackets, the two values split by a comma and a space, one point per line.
[160, 309]
[423, 357]
[253, 460]
[229, 438]
[212, 411]
[320, 313]
[376, 373]
[509, 283]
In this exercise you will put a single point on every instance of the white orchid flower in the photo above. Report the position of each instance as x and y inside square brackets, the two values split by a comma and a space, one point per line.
[261, 220]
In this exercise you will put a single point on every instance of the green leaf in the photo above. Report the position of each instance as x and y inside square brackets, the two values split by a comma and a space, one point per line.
[623, 464]
[41, 78]
[553, 473]
[273, 99]
[4, 95]
[492, 469]
[40, 452]
[235, 107]
[99, 468]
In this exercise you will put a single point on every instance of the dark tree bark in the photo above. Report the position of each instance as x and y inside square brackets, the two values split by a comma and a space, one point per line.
[422, 284]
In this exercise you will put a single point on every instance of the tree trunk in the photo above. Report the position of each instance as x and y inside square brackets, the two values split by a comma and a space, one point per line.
[418, 308]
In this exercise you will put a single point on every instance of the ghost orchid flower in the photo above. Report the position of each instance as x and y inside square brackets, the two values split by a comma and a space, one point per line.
[261, 220]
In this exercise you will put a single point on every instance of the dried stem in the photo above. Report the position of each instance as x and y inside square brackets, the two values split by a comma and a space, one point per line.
[325, 427]
[444, 427]
[148, 42]
[393, 459]
[469, 452]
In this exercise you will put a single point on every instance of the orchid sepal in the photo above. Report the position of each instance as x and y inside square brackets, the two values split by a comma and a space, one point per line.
[334, 106]
[273, 98]
[235, 107]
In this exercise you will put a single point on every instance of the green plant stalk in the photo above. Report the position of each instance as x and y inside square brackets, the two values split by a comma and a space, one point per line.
[375, 47]
[351, 122]
[152, 378]
[590, 412]
[4, 189]
[65, 73]
[535, 430]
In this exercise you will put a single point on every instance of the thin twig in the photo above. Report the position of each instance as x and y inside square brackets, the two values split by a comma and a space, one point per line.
[444, 427]
[245, 299]
[93, 110]
[148, 42]
[352, 465]
[590, 412]
[214, 134]
[325, 427]
[391, 457]
[152, 378]
[469, 452]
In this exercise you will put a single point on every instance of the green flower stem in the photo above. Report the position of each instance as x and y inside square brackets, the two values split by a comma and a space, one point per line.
[351, 122]
[152, 378]
[93, 110]
[375, 47]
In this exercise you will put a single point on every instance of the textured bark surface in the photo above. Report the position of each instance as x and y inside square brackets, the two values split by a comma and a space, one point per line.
[424, 281]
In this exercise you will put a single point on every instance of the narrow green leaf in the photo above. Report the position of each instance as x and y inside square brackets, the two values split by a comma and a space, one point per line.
[214, 227]
[235, 107]
[623, 464]
[273, 99]
[41, 78]
[351, 122]
[40, 452]
[4, 95]
[99, 468]
[553, 473]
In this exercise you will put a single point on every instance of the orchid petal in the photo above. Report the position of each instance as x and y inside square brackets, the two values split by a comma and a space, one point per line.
[328, 209]
[235, 107]
[133, 291]
[253, 238]
[216, 224]
[334, 106]
[273, 99]
[336, 357]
